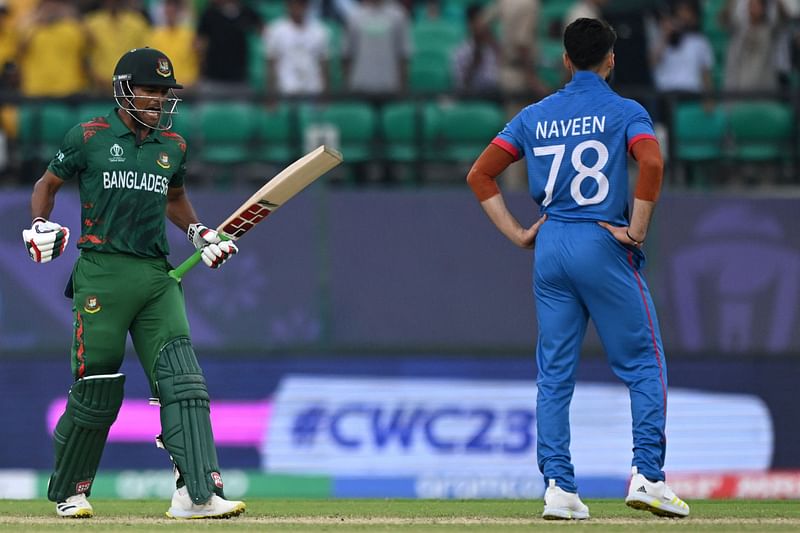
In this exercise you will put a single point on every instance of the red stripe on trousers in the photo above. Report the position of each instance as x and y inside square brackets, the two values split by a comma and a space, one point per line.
[80, 351]
[652, 329]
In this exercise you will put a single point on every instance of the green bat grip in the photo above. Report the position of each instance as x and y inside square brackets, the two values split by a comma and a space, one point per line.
[181, 270]
[185, 267]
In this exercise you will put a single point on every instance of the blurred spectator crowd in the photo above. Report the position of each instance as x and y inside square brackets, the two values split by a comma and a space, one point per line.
[385, 52]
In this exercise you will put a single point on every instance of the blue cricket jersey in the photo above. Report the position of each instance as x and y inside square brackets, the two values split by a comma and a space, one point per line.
[575, 142]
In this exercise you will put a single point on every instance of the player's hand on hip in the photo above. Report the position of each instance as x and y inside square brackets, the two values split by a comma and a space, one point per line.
[213, 250]
[45, 240]
[527, 237]
[621, 234]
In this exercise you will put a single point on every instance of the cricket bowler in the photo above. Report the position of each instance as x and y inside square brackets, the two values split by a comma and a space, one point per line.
[130, 170]
[588, 260]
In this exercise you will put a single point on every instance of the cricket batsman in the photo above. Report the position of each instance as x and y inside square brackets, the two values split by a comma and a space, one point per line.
[588, 260]
[130, 170]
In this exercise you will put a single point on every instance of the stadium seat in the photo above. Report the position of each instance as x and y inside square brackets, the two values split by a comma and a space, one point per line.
[355, 123]
[184, 121]
[551, 66]
[225, 130]
[426, 79]
[335, 31]
[26, 135]
[400, 127]
[429, 72]
[698, 134]
[270, 9]
[551, 17]
[464, 129]
[431, 127]
[436, 35]
[454, 11]
[274, 135]
[256, 64]
[42, 127]
[761, 131]
[335, 71]
[90, 110]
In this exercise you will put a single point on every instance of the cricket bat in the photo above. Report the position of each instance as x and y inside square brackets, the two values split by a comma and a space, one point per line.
[269, 198]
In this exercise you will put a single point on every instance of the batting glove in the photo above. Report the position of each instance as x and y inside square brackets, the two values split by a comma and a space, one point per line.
[45, 240]
[213, 250]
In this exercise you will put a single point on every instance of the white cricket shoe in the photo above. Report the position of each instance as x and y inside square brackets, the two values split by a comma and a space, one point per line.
[184, 508]
[562, 505]
[655, 497]
[75, 507]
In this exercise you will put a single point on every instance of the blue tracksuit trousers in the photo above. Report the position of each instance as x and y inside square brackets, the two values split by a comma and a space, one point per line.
[581, 271]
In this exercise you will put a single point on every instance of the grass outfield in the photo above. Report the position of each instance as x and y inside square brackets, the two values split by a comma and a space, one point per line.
[402, 515]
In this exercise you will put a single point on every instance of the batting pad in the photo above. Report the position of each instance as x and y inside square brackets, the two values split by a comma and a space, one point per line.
[186, 419]
[81, 433]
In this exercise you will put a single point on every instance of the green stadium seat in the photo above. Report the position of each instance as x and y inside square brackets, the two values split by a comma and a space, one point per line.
[183, 122]
[710, 15]
[464, 129]
[551, 16]
[270, 9]
[424, 78]
[226, 131]
[698, 135]
[274, 134]
[400, 127]
[92, 110]
[356, 125]
[256, 64]
[27, 130]
[761, 131]
[551, 52]
[429, 72]
[551, 66]
[335, 32]
[335, 70]
[436, 35]
[454, 11]
[42, 127]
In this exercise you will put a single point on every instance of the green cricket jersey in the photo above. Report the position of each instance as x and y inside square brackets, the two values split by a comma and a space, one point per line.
[123, 187]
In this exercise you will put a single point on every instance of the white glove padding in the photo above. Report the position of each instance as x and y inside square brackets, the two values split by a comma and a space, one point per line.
[201, 236]
[45, 240]
[214, 251]
[214, 255]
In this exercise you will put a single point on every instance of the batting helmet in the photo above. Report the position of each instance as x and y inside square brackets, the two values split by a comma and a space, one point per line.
[146, 67]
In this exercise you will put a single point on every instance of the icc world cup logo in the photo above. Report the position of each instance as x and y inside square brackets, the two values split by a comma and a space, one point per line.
[116, 152]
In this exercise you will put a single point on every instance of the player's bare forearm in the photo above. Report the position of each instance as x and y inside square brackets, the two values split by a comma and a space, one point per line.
[482, 180]
[179, 208]
[43, 198]
[648, 188]
[636, 232]
[640, 219]
[495, 208]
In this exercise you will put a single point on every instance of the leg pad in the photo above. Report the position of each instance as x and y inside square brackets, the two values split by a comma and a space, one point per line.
[186, 419]
[81, 433]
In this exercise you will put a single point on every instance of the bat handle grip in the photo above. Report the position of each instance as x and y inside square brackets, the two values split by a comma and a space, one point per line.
[184, 267]
[181, 270]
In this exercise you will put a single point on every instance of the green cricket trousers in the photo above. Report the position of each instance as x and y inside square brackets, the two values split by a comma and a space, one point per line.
[114, 294]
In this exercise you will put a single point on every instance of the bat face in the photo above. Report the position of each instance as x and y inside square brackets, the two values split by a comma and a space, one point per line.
[279, 189]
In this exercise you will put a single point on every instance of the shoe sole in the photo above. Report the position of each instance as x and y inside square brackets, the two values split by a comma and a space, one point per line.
[563, 514]
[653, 508]
[83, 513]
[236, 511]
